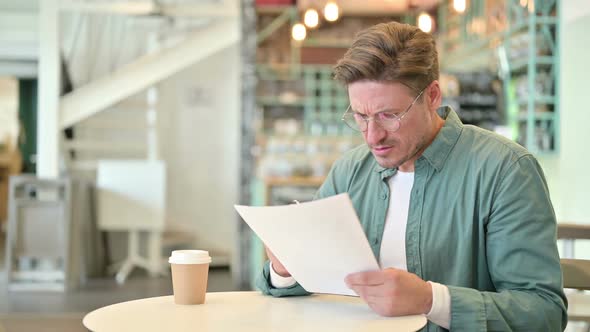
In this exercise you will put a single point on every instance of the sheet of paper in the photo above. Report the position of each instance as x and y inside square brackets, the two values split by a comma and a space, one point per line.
[318, 242]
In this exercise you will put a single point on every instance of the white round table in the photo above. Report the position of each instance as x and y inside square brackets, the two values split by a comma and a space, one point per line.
[248, 311]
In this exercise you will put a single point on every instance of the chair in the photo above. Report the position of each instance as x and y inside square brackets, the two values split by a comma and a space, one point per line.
[576, 272]
[576, 275]
[569, 232]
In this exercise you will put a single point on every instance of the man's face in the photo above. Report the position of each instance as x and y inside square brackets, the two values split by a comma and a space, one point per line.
[418, 126]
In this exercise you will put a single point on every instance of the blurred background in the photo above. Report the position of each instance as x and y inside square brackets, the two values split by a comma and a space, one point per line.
[128, 129]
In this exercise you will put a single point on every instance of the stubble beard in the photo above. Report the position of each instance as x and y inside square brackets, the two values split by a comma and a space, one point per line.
[386, 164]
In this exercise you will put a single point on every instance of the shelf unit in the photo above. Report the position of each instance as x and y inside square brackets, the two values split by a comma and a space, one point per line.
[533, 70]
[306, 93]
[475, 96]
[517, 39]
[298, 125]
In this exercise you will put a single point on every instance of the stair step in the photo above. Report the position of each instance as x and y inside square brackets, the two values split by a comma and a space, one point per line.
[108, 124]
[84, 165]
[118, 146]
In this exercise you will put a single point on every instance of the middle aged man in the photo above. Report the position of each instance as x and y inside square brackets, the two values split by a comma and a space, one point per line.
[459, 217]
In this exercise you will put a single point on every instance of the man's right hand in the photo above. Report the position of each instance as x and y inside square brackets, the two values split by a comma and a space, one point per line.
[276, 265]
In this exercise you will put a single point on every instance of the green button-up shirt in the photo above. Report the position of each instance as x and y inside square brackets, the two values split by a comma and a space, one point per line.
[480, 222]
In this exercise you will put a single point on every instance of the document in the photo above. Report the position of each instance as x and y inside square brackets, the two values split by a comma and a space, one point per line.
[318, 242]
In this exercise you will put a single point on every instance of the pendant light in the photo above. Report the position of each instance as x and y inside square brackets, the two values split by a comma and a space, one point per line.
[331, 11]
[298, 32]
[425, 22]
[311, 18]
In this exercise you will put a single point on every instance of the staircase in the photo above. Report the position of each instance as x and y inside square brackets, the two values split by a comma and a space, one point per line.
[115, 53]
[119, 132]
[113, 106]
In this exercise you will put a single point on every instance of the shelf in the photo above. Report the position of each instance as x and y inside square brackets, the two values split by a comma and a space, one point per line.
[522, 64]
[471, 100]
[541, 116]
[485, 45]
[524, 45]
[278, 101]
[307, 181]
[524, 24]
[277, 72]
[543, 99]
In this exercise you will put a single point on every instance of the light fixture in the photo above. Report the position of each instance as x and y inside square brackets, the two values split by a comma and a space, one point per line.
[331, 11]
[298, 32]
[425, 22]
[460, 5]
[311, 18]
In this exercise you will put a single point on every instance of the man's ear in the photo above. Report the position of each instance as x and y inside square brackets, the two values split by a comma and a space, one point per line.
[433, 96]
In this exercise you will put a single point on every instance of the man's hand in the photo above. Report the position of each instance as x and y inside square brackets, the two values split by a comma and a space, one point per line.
[276, 265]
[392, 292]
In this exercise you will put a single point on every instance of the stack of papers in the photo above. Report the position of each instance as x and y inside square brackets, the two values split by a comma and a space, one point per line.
[319, 242]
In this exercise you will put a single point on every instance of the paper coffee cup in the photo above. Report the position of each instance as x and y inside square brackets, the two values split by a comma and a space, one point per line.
[190, 270]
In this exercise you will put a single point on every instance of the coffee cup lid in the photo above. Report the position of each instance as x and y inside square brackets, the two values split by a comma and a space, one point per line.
[189, 257]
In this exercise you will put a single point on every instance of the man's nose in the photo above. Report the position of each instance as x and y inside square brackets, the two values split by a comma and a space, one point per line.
[374, 134]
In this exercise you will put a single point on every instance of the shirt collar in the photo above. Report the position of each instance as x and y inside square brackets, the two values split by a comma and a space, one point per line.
[438, 151]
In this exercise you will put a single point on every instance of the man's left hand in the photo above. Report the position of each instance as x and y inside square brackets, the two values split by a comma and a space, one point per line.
[392, 292]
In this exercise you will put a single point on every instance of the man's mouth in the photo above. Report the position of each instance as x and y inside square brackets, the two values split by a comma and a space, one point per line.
[381, 150]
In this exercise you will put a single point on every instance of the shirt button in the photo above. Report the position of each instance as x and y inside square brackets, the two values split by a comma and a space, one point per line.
[384, 196]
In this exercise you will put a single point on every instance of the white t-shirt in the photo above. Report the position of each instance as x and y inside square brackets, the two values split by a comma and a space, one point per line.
[393, 244]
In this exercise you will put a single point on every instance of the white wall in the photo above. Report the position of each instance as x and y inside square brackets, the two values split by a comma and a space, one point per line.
[199, 115]
[568, 172]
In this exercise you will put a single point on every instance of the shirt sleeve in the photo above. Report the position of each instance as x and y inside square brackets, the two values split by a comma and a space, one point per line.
[521, 247]
[278, 281]
[264, 284]
[440, 313]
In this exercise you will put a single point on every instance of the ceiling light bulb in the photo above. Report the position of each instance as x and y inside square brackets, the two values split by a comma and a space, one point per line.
[425, 22]
[460, 5]
[331, 11]
[298, 32]
[311, 18]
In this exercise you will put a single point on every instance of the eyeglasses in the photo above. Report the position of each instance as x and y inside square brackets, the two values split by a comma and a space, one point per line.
[388, 121]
